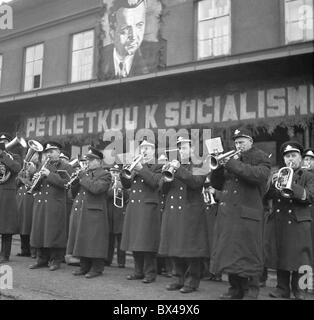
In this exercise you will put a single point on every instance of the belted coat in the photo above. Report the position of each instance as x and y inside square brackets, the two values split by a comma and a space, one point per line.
[8, 207]
[89, 230]
[184, 226]
[141, 229]
[288, 240]
[49, 209]
[237, 243]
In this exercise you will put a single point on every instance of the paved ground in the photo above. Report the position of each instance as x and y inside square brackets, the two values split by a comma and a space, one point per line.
[43, 284]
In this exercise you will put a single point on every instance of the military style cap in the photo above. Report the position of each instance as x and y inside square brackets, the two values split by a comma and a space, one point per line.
[94, 153]
[182, 140]
[115, 168]
[309, 153]
[291, 146]
[5, 136]
[242, 133]
[52, 145]
[146, 143]
[64, 155]
[117, 4]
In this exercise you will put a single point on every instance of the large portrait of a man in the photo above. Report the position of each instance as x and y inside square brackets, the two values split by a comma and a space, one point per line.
[129, 49]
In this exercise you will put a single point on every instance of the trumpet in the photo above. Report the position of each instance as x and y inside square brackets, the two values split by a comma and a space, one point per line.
[117, 194]
[216, 161]
[170, 169]
[127, 170]
[284, 181]
[38, 177]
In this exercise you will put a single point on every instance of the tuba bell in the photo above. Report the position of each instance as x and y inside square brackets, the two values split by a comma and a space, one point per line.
[5, 174]
[34, 146]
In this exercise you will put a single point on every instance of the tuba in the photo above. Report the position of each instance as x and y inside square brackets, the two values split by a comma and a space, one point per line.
[215, 161]
[5, 174]
[127, 170]
[34, 146]
[284, 181]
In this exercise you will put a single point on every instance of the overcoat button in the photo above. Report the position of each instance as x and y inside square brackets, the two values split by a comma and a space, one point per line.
[171, 197]
[132, 200]
[134, 181]
[289, 222]
[181, 188]
[139, 200]
[180, 197]
[171, 207]
[289, 211]
[139, 190]
[179, 208]
[39, 200]
[162, 202]
[142, 180]
[235, 191]
[75, 209]
[277, 210]
[134, 191]
[278, 200]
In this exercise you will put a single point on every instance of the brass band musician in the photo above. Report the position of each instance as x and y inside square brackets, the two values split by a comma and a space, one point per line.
[141, 229]
[89, 231]
[10, 165]
[289, 244]
[48, 233]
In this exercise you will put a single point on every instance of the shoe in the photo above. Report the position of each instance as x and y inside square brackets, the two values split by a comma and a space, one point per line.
[262, 284]
[186, 289]
[4, 260]
[174, 286]
[134, 277]
[147, 280]
[277, 293]
[54, 267]
[121, 266]
[38, 265]
[299, 295]
[92, 274]
[23, 254]
[79, 273]
[231, 296]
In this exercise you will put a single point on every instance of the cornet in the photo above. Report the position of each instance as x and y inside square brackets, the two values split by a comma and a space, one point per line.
[284, 181]
[216, 161]
[207, 195]
[127, 170]
[117, 194]
[75, 175]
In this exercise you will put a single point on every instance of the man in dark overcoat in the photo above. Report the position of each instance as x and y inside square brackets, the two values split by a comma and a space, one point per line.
[91, 232]
[141, 229]
[184, 227]
[237, 244]
[10, 165]
[116, 217]
[25, 205]
[289, 245]
[48, 233]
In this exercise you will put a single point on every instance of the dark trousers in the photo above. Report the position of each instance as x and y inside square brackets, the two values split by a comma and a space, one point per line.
[241, 286]
[113, 237]
[6, 244]
[92, 264]
[287, 280]
[50, 255]
[145, 264]
[25, 245]
[187, 271]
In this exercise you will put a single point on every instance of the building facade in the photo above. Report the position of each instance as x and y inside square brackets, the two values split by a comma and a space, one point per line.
[202, 65]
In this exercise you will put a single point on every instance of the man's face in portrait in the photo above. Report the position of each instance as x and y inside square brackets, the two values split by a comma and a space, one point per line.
[129, 29]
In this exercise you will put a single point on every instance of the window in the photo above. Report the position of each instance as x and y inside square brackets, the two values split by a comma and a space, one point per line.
[298, 20]
[213, 28]
[82, 56]
[1, 59]
[33, 67]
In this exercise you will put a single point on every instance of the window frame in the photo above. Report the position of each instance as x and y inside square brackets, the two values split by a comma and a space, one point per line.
[72, 51]
[197, 23]
[286, 23]
[24, 67]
